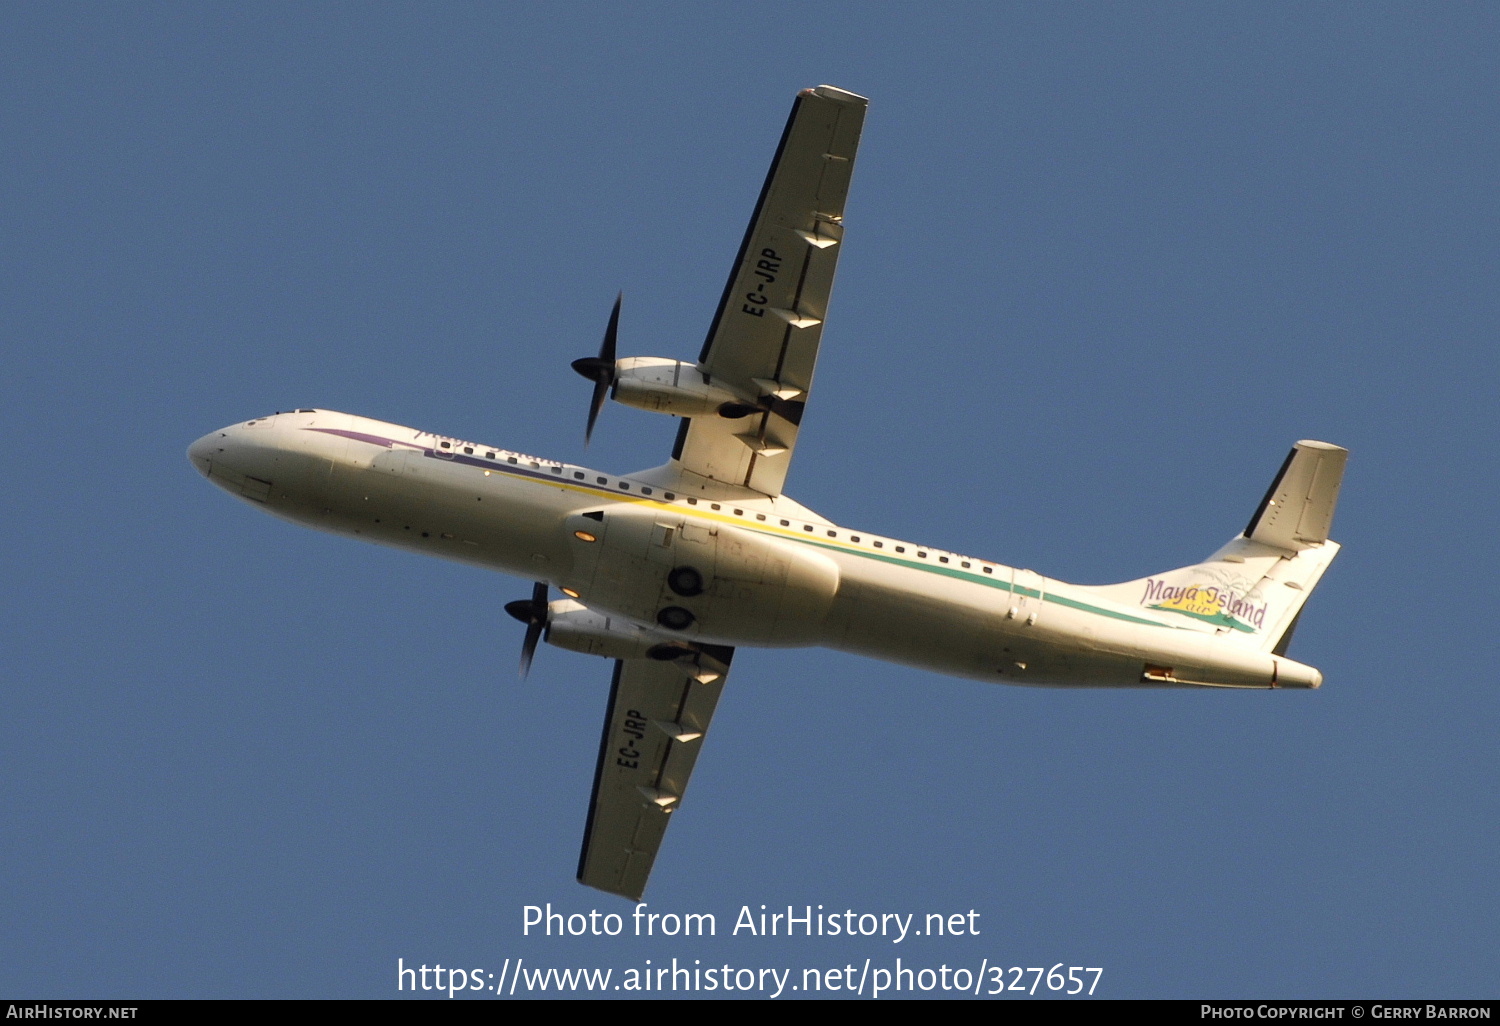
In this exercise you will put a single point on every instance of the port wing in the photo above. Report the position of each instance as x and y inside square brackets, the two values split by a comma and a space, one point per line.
[659, 711]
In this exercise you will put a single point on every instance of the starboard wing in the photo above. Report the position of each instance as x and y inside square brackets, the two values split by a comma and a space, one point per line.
[764, 338]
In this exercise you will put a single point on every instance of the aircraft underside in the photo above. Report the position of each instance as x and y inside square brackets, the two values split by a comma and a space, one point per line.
[667, 571]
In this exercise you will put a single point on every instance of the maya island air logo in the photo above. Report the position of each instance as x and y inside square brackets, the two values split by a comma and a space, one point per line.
[1210, 603]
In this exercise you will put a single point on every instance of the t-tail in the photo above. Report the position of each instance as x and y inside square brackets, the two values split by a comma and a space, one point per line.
[1252, 590]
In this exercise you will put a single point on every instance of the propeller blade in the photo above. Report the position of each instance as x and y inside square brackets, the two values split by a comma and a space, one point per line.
[595, 405]
[528, 647]
[601, 369]
[533, 613]
[611, 333]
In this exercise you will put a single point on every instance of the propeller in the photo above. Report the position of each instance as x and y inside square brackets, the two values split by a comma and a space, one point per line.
[601, 369]
[533, 613]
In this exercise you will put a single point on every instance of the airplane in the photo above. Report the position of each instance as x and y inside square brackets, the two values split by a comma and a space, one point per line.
[667, 571]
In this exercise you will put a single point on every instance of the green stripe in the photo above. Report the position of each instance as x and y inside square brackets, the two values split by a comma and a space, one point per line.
[989, 582]
[960, 575]
[1217, 619]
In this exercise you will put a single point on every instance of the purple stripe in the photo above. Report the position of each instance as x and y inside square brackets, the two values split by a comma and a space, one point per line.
[358, 436]
[447, 457]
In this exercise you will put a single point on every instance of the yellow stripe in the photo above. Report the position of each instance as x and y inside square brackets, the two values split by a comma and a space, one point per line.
[807, 537]
[723, 518]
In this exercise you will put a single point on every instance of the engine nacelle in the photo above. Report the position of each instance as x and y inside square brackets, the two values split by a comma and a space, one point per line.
[576, 627]
[673, 386]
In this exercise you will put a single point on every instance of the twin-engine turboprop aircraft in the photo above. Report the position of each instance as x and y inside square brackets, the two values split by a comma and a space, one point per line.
[666, 571]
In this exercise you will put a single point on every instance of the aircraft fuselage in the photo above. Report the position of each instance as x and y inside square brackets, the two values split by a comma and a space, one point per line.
[768, 571]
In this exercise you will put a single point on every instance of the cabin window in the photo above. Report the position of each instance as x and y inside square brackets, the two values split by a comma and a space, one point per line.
[739, 512]
[786, 523]
[715, 506]
[510, 459]
[602, 480]
[879, 545]
[900, 548]
[624, 487]
[468, 450]
[807, 527]
[854, 538]
[692, 501]
[489, 455]
[760, 516]
[668, 495]
[557, 470]
[833, 534]
[578, 475]
[921, 554]
[964, 564]
[445, 445]
[942, 559]
[989, 569]
[645, 491]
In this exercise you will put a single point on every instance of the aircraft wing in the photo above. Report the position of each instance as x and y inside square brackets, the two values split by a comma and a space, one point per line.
[658, 714]
[764, 338]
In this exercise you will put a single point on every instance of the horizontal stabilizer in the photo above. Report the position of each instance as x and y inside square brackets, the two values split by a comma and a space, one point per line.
[1298, 509]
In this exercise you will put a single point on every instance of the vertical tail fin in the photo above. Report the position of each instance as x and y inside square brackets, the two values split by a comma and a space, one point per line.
[1298, 508]
[1253, 589]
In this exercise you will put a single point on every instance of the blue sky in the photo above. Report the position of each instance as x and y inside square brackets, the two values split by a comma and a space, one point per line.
[1104, 264]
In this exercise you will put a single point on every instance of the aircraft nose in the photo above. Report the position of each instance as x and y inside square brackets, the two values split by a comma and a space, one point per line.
[198, 452]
